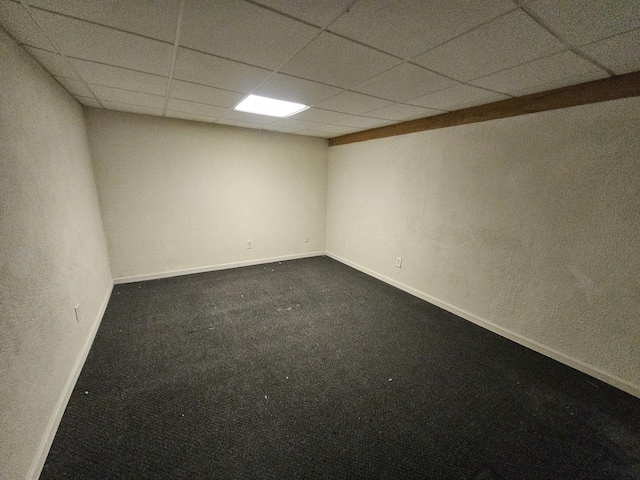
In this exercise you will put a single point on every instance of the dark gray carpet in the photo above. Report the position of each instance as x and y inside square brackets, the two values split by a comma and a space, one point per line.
[310, 369]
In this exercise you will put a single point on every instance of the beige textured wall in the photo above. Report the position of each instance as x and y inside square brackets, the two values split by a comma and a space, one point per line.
[52, 252]
[179, 195]
[532, 223]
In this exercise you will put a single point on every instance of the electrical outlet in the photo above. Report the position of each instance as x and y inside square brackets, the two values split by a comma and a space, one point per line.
[249, 244]
[398, 262]
[78, 313]
[306, 239]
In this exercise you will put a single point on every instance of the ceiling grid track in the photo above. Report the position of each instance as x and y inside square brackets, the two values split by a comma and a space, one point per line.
[69, 63]
[361, 65]
[571, 48]
[176, 44]
[277, 70]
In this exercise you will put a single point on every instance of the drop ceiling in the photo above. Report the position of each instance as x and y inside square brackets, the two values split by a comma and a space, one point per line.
[359, 64]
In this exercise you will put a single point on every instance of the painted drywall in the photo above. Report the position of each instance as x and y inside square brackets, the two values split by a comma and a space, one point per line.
[52, 255]
[186, 196]
[530, 224]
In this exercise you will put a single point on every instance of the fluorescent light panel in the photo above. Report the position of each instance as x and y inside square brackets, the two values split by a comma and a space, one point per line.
[269, 106]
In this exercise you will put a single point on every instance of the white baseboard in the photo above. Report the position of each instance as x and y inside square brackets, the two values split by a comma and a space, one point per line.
[211, 268]
[61, 405]
[532, 344]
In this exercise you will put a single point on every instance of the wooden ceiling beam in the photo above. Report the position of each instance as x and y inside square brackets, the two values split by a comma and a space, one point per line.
[621, 86]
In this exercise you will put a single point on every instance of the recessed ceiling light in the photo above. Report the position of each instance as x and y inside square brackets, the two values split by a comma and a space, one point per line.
[269, 106]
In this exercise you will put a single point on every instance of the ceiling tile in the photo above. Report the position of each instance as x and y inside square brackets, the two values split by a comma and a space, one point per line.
[88, 101]
[585, 21]
[314, 133]
[74, 86]
[510, 40]
[487, 43]
[190, 116]
[403, 112]
[127, 107]
[79, 39]
[456, 98]
[353, 103]
[237, 123]
[53, 63]
[409, 28]
[278, 128]
[587, 77]
[403, 82]
[196, 108]
[335, 129]
[561, 69]
[15, 19]
[217, 72]
[362, 122]
[249, 117]
[320, 116]
[305, 133]
[202, 94]
[318, 13]
[155, 19]
[336, 61]
[124, 78]
[295, 123]
[619, 53]
[286, 87]
[117, 95]
[243, 31]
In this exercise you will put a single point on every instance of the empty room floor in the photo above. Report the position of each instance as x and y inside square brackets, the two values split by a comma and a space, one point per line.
[311, 369]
